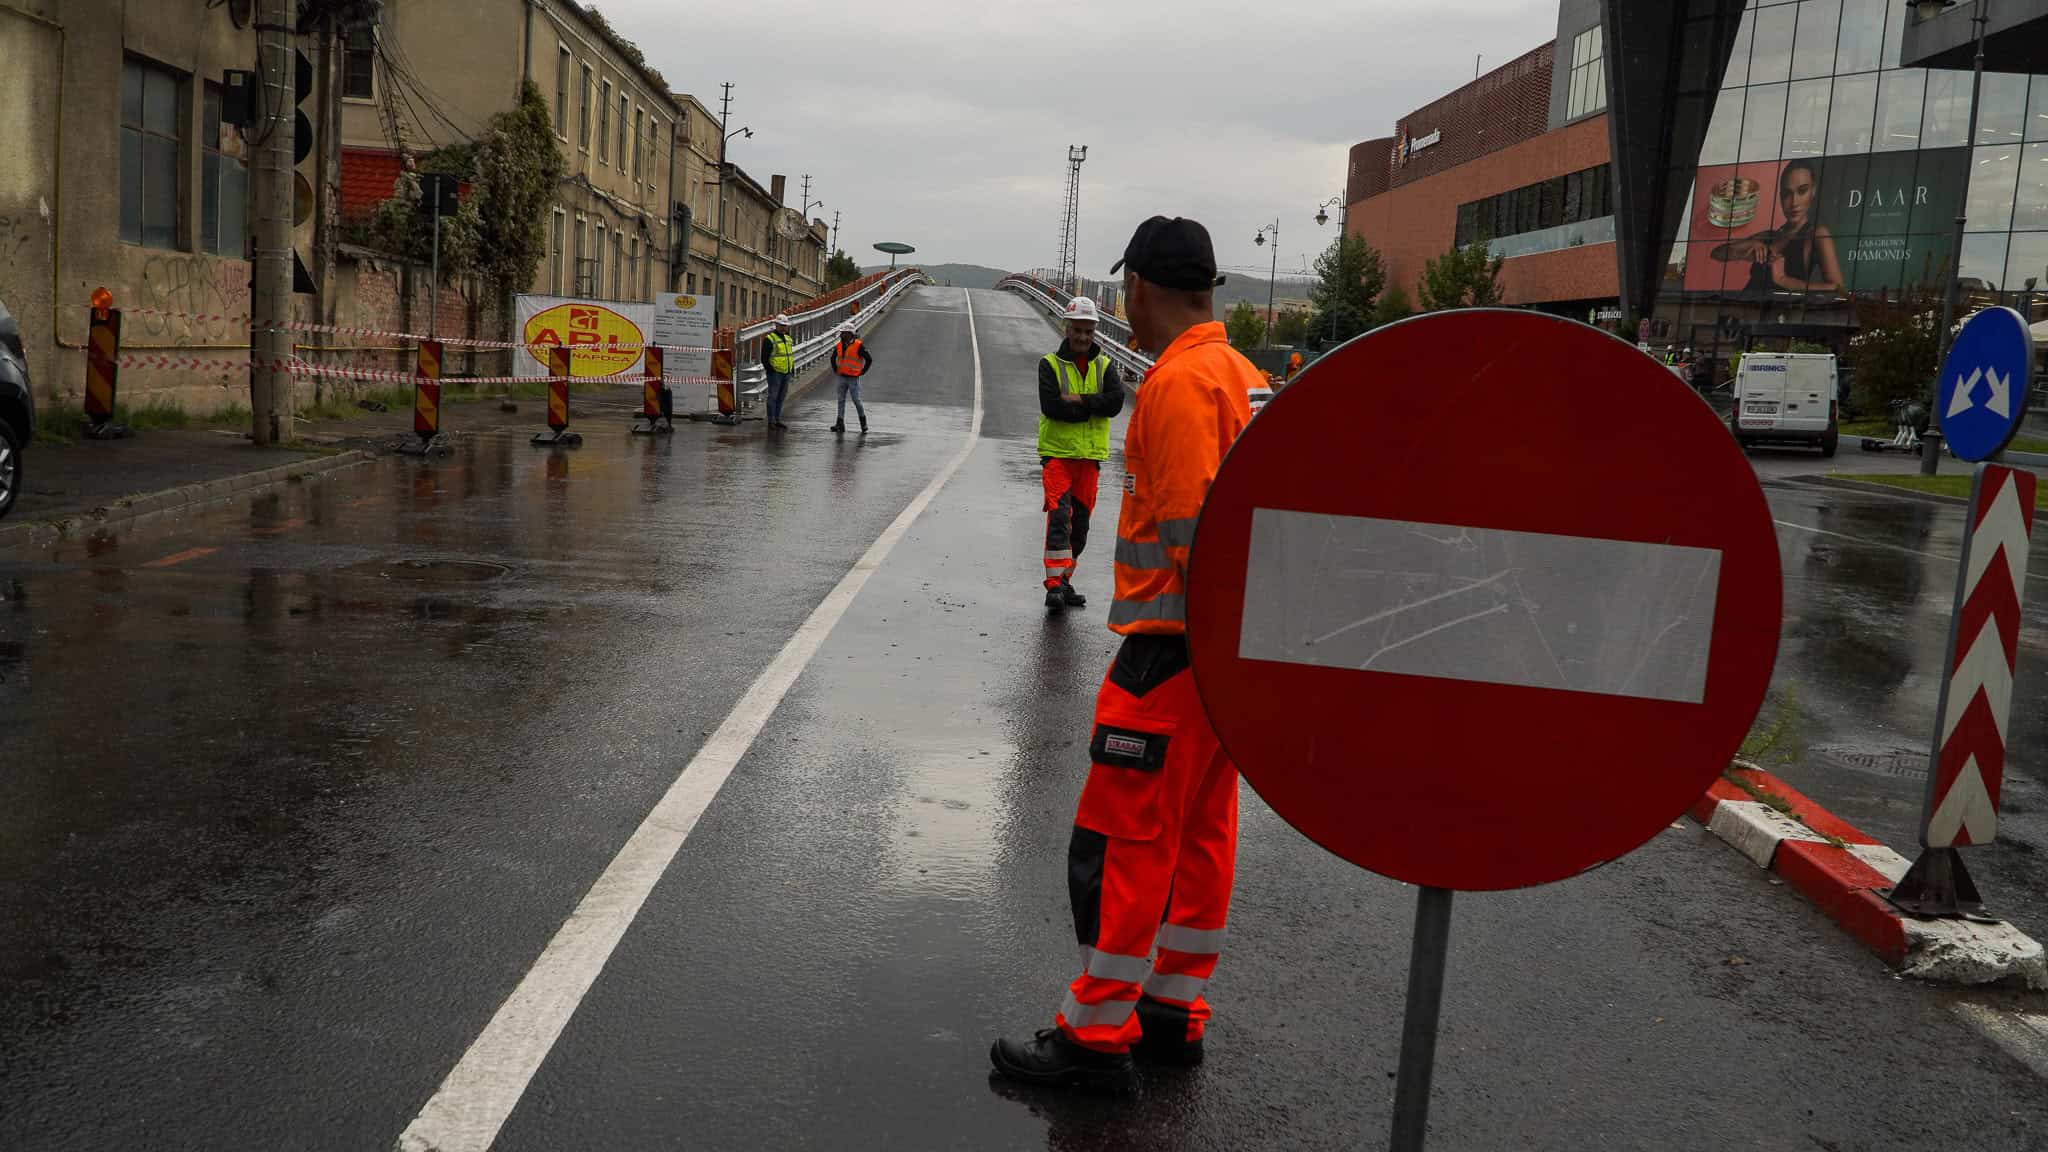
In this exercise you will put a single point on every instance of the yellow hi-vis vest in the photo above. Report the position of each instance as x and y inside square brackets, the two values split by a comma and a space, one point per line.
[1075, 440]
[781, 353]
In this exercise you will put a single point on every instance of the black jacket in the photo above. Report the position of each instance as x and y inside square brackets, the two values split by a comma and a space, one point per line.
[1107, 402]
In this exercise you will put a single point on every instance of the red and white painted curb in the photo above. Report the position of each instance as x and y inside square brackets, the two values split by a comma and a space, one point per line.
[1844, 873]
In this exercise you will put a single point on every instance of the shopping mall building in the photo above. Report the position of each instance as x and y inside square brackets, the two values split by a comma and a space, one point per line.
[1785, 174]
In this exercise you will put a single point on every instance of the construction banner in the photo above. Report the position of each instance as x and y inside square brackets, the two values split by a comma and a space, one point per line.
[607, 336]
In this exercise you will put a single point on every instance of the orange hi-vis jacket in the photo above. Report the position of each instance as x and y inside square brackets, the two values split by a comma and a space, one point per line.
[1192, 405]
[846, 360]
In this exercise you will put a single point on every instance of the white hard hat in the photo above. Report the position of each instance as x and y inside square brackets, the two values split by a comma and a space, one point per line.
[846, 326]
[782, 319]
[1081, 308]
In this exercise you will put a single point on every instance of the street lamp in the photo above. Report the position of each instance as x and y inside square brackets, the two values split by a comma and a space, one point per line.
[1274, 230]
[1930, 458]
[1322, 218]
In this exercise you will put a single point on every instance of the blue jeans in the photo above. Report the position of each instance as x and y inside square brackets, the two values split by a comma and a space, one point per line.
[850, 386]
[778, 390]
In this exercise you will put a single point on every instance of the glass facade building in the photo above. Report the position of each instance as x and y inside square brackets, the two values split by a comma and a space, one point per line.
[1829, 178]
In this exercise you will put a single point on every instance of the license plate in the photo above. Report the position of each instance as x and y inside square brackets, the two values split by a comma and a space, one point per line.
[1762, 407]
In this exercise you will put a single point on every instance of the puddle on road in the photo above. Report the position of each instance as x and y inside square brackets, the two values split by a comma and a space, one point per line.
[429, 570]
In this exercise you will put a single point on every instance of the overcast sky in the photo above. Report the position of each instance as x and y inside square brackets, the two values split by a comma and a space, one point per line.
[946, 124]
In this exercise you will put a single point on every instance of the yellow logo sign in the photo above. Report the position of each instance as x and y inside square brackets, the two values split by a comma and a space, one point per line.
[592, 331]
[686, 302]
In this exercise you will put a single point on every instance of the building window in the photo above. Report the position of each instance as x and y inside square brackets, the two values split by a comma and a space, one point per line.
[152, 152]
[618, 265]
[690, 283]
[555, 251]
[633, 269]
[562, 91]
[224, 182]
[597, 267]
[604, 121]
[579, 272]
[639, 138]
[1589, 76]
[583, 110]
[359, 63]
[1569, 199]
[624, 105]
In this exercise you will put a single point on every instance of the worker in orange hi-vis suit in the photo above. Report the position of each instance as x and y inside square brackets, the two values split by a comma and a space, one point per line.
[1155, 837]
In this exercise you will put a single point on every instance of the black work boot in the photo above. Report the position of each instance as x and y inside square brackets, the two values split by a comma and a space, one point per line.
[1073, 599]
[1054, 600]
[1165, 1039]
[1051, 1060]
[839, 426]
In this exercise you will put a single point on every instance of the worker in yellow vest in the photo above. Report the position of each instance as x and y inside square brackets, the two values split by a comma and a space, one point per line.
[850, 360]
[778, 359]
[1078, 393]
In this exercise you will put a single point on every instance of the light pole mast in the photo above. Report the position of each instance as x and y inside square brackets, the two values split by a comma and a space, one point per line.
[1070, 220]
[270, 394]
[1272, 230]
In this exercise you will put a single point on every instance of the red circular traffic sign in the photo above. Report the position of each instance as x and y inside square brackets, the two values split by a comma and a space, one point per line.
[1483, 599]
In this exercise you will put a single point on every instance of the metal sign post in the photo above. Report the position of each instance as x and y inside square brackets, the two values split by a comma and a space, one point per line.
[1443, 632]
[1981, 400]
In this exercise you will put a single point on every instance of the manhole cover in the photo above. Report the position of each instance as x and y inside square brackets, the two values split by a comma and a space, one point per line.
[430, 571]
[1884, 762]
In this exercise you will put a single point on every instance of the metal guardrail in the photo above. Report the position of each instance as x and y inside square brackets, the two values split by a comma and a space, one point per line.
[816, 332]
[1118, 333]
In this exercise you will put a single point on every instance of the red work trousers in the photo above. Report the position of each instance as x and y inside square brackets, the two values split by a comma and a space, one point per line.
[1069, 501]
[1153, 855]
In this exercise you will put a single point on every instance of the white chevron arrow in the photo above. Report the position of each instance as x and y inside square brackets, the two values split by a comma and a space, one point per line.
[1967, 806]
[1960, 402]
[1984, 670]
[2001, 392]
[2004, 529]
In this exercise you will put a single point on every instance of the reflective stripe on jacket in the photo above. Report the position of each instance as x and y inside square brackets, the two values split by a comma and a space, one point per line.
[1075, 440]
[1191, 407]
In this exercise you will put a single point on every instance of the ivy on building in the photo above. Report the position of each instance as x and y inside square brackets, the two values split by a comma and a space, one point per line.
[500, 233]
[623, 46]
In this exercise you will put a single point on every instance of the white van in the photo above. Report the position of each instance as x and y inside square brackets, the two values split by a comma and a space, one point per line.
[1786, 398]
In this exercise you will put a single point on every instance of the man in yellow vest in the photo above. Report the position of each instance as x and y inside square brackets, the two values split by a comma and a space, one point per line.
[850, 360]
[1078, 393]
[778, 359]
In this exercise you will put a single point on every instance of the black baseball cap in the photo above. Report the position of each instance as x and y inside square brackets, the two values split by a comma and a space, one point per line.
[1173, 253]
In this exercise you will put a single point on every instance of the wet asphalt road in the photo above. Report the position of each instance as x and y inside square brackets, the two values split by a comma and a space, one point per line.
[298, 789]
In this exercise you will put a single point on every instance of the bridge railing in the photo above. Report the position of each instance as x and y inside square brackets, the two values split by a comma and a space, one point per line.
[816, 331]
[1115, 334]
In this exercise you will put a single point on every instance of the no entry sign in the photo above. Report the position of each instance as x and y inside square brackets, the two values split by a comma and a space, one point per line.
[1484, 599]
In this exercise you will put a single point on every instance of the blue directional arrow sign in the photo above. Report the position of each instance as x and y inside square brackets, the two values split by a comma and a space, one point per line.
[1983, 393]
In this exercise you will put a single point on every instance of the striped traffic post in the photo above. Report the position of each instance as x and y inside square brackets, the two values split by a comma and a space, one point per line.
[1981, 399]
[560, 358]
[103, 368]
[426, 398]
[655, 399]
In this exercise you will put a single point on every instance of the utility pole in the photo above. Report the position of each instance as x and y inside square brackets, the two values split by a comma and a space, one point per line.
[270, 393]
[1930, 455]
[718, 253]
[835, 234]
[1070, 220]
[1273, 230]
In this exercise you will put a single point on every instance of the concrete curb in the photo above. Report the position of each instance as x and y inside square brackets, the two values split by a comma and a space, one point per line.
[148, 504]
[1845, 873]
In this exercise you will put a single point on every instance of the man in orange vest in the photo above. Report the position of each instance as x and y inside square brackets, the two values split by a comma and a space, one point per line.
[1293, 366]
[851, 361]
[1154, 847]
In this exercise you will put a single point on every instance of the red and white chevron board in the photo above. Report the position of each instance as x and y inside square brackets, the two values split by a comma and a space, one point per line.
[1976, 698]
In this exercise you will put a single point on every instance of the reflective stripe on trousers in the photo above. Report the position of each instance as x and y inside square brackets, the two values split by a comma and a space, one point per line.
[1108, 1014]
[1168, 606]
[1149, 555]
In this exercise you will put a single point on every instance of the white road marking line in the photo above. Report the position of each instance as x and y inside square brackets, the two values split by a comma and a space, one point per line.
[467, 1111]
[2023, 1035]
[1868, 542]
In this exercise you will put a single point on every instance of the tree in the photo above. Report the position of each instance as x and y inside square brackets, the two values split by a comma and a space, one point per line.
[1293, 327]
[1462, 277]
[1889, 358]
[402, 226]
[1246, 328]
[1349, 276]
[1393, 305]
[518, 167]
[840, 270]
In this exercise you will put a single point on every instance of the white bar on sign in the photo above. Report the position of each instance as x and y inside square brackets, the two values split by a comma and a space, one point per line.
[1577, 613]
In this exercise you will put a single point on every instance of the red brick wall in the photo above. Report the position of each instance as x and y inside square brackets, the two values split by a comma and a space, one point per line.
[1414, 222]
[1369, 171]
[367, 177]
[1500, 109]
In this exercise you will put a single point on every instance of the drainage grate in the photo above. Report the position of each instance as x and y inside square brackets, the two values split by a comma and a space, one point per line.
[1886, 762]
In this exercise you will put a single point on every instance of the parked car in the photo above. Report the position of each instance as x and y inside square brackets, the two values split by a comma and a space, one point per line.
[1786, 398]
[17, 409]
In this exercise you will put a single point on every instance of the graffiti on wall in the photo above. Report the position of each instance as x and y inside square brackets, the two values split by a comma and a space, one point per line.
[211, 296]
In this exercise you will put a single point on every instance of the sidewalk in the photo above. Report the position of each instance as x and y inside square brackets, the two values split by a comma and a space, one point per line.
[70, 480]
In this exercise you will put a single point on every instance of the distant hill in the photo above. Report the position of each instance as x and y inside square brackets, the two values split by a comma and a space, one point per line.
[958, 275]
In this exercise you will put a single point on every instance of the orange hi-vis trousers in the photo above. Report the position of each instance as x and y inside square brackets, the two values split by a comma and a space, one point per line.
[1070, 489]
[1153, 855]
